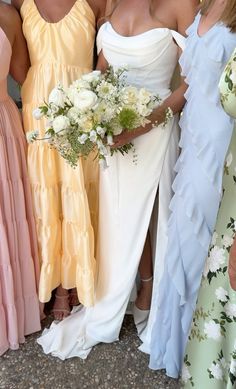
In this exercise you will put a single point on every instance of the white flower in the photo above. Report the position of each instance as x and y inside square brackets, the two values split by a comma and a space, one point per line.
[212, 330]
[216, 371]
[93, 136]
[143, 110]
[227, 241]
[32, 135]
[91, 77]
[221, 294]
[60, 123]
[214, 238]
[86, 123]
[233, 77]
[233, 367]
[37, 113]
[229, 159]
[144, 96]
[129, 95]
[100, 131]
[185, 375]
[106, 90]
[230, 310]
[110, 140]
[82, 138]
[85, 100]
[223, 363]
[214, 261]
[57, 97]
[73, 114]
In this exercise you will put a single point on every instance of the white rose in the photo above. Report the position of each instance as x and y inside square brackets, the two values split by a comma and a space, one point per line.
[227, 241]
[129, 95]
[60, 124]
[144, 96]
[216, 371]
[229, 159]
[85, 100]
[212, 330]
[185, 375]
[37, 113]
[91, 77]
[230, 310]
[221, 294]
[57, 97]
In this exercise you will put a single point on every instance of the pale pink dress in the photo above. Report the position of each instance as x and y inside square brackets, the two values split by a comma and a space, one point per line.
[19, 267]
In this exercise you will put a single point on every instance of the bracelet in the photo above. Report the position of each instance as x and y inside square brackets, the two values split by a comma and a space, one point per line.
[168, 115]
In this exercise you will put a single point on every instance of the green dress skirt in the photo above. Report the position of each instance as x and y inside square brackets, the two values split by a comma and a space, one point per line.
[210, 359]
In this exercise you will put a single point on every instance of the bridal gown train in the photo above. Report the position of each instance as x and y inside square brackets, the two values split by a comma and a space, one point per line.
[127, 195]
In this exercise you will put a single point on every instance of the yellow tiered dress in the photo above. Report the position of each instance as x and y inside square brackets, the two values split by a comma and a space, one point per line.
[60, 52]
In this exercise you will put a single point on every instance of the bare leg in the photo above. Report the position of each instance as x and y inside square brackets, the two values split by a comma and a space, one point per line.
[143, 300]
[73, 300]
[61, 307]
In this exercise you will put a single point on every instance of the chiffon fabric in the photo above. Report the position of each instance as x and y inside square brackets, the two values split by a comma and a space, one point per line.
[19, 264]
[210, 357]
[205, 137]
[127, 195]
[60, 53]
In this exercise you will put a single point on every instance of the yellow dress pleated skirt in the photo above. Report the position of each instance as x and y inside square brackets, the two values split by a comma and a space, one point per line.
[65, 199]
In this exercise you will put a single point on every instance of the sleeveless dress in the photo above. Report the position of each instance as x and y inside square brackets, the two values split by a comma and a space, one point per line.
[210, 359]
[62, 54]
[205, 137]
[19, 263]
[126, 198]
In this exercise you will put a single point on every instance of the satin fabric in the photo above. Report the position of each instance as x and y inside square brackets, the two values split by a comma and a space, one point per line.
[19, 263]
[60, 53]
[127, 196]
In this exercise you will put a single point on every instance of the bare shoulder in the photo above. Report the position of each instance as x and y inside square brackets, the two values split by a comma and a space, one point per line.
[9, 14]
[186, 11]
[17, 3]
[98, 7]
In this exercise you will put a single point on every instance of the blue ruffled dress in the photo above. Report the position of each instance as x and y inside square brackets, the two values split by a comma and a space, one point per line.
[206, 134]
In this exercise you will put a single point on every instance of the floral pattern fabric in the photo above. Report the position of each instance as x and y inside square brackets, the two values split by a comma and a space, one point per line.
[210, 359]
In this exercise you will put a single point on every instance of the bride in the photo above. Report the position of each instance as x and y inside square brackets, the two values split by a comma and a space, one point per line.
[145, 36]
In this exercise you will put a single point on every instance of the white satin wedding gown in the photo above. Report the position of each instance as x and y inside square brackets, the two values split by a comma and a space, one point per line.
[127, 195]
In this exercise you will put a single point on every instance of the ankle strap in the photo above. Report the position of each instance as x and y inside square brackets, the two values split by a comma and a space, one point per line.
[147, 279]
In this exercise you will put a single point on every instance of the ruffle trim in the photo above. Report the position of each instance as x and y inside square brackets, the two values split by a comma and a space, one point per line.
[194, 68]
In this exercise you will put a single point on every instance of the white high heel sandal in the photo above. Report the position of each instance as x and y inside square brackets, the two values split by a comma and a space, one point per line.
[141, 315]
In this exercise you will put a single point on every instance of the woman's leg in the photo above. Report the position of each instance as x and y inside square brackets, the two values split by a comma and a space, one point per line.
[143, 300]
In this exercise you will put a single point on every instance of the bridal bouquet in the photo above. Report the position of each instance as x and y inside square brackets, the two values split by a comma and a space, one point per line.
[90, 112]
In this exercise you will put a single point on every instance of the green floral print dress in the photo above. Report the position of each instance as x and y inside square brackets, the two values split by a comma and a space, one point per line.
[210, 359]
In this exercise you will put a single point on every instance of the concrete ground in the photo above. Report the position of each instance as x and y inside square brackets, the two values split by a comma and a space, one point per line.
[109, 366]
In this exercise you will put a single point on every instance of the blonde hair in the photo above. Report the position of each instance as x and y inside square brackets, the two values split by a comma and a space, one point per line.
[229, 15]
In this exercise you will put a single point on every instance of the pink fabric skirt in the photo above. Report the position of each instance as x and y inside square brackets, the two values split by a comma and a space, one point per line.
[19, 264]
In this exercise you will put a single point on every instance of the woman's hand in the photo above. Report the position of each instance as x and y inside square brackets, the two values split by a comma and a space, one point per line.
[156, 118]
[127, 136]
[232, 265]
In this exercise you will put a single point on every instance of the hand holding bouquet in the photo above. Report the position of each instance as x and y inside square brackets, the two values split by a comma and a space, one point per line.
[90, 112]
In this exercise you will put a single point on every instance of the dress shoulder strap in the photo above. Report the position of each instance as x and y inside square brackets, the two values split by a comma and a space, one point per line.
[179, 39]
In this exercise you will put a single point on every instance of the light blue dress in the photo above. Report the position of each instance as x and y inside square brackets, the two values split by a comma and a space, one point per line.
[206, 134]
